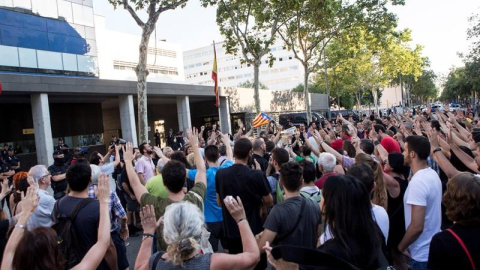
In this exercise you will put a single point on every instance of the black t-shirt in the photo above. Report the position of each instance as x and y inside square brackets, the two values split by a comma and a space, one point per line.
[283, 217]
[86, 223]
[396, 215]
[58, 186]
[447, 253]
[262, 161]
[126, 181]
[251, 186]
[393, 129]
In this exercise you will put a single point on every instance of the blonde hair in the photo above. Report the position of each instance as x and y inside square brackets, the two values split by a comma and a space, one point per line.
[380, 190]
[183, 223]
[191, 159]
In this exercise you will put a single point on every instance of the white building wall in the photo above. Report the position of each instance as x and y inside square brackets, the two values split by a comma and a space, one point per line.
[118, 56]
[391, 96]
[285, 74]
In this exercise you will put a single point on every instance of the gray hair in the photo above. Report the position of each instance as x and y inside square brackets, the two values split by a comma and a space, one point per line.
[328, 162]
[37, 172]
[182, 231]
[96, 171]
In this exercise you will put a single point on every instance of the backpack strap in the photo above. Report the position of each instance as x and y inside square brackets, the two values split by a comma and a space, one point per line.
[463, 246]
[302, 207]
[78, 207]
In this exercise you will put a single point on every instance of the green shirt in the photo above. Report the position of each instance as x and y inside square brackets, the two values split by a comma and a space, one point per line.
[300, 158]
[196, 196]
[156, 187]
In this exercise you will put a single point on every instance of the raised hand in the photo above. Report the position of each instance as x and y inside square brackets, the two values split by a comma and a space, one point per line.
[192, 135]
[128, 152]
[102, 190]
[235, 208]
[149, 222]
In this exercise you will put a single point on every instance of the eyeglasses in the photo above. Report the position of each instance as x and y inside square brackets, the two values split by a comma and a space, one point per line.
[46, 175]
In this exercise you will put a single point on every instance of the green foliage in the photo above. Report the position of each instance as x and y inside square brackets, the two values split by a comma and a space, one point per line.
[456, 85]
[361, 62]
[249, 84]
[424, 87]
[313, 88]
[472, 60]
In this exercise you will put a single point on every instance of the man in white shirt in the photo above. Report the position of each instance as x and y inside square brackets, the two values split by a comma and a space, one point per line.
[145, 167]
[422, 202]
[42, 217]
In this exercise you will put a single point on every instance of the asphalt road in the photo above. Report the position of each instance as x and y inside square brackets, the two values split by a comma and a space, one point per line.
[132, 248]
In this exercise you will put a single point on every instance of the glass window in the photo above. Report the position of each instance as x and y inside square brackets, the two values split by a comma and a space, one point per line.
[8, 56]
[89, 32]
[65, 10]
[80, 30]
[82, 15]
[69, 62]
[45, 8]
[49, 60]
[87, 63]
[92, 47]
[23, 4]
[28, 57]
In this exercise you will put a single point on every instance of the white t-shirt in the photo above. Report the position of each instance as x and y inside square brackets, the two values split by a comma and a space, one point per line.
[425, 189]
[380, 216]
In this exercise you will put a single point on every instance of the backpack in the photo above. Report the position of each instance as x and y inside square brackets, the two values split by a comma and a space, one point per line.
[71, 245]
[315, 196]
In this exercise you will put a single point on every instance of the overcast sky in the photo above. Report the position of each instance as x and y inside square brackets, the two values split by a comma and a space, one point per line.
[438, 25]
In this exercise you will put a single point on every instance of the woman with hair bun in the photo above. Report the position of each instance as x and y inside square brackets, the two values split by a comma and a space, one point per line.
[182, 231]
[459, 246]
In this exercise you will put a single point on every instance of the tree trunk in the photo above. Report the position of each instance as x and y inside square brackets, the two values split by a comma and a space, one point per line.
[307, 97]
[256, 84]
[375, 98]
[142, 74]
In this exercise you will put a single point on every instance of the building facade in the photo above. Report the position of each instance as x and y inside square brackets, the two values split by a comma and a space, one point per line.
[285, 74]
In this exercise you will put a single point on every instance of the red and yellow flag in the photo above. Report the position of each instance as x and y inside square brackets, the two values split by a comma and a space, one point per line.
[214, 75]
[261, 119]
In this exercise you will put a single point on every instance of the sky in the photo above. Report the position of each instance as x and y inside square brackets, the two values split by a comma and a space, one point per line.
[438, 25]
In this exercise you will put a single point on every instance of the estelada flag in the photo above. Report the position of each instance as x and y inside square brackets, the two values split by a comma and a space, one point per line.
[261, 119]
[214, 75]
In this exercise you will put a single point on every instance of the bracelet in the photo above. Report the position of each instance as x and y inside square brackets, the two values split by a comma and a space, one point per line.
[376, 143]
[240, 220]
[147, 235]
[437, 150]
[20, 226]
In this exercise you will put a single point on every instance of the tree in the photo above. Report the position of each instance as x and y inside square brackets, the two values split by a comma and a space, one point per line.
[153, 8]
[457, 85]
[362, 63]
[249, 84]
[249, 26]
[309, 25]
[424, 89]
[472, 59]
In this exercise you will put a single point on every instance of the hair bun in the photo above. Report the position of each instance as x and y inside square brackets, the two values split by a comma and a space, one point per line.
[186, 245]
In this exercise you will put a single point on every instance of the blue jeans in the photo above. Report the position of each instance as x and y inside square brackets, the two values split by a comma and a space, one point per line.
[414, 265]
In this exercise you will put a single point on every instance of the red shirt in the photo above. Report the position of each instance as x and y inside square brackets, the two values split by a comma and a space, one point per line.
[321, 181]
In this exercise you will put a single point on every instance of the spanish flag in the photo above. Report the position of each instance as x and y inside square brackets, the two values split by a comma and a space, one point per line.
[214, 75]
[261, 119]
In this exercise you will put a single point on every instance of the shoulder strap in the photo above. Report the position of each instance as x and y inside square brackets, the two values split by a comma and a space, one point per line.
[79, 207]
[302, 208]
[463, 246]
[158, 256]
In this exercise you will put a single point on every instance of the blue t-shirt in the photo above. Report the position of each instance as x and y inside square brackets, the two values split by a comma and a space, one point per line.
[213, 212]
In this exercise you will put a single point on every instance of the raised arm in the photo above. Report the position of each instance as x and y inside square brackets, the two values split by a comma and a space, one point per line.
[31, 202]
[160, 154]
[96, 253]
[228, 146]
[440, 157]
[314, 149]
[149, 224]
[279, 134]
[201, 176]
[135, 183]
[251, 255]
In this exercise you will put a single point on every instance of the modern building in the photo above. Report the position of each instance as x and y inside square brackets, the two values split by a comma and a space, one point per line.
[285, 74]
[118, 56]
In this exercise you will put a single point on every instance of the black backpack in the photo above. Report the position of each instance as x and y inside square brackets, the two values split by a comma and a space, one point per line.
[71, 245]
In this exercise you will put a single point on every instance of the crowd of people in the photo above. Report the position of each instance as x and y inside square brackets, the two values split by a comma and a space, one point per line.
[397, 190]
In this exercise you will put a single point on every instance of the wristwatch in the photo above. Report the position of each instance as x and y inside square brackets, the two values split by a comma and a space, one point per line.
[437, 149]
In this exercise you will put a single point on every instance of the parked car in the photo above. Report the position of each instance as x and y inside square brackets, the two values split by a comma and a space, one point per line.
[345, 114]
[298, 118]
[455, 106]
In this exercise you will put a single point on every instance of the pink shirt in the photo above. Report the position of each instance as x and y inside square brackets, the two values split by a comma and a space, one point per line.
[146, 167]
[319, 183]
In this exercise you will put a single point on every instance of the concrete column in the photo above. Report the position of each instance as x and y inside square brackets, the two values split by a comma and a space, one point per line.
[224, 115]
[183, 112]
[127, 119]
[43, 129]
